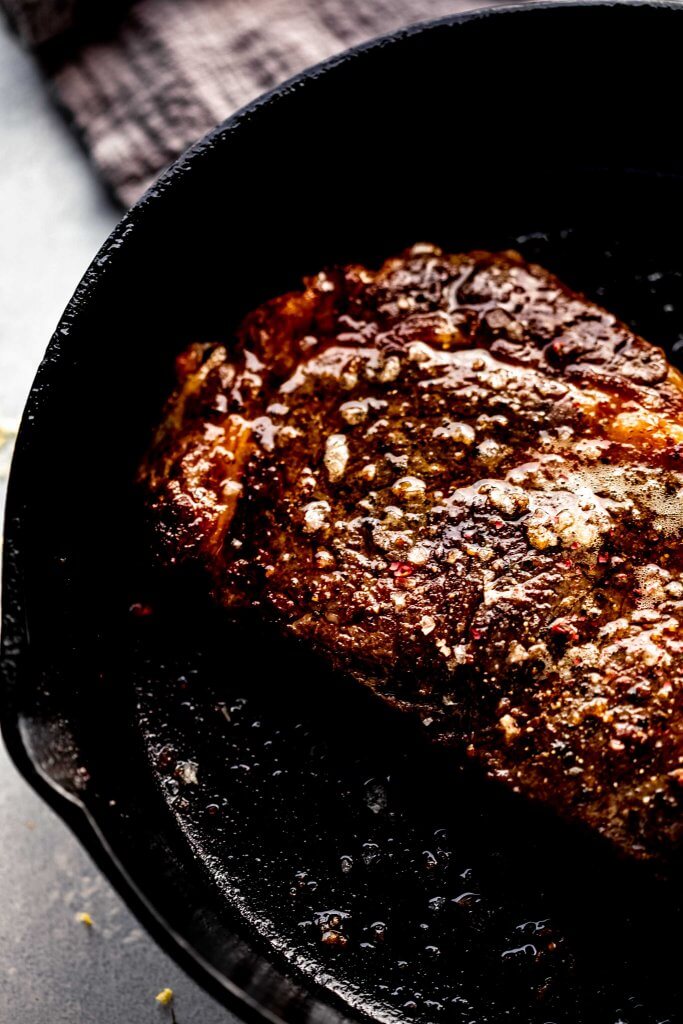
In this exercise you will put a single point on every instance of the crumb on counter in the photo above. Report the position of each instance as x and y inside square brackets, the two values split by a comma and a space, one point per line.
[165, 997]
[85, 918]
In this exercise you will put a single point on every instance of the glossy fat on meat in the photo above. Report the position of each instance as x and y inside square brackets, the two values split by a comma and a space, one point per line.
[460, 483]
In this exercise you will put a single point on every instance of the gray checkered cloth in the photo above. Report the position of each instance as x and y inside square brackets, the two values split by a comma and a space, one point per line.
[141, 81]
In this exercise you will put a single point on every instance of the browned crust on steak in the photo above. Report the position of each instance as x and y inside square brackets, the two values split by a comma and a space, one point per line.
[461, 483]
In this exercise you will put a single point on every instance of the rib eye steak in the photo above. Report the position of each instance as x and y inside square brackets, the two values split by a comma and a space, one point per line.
[461, 483]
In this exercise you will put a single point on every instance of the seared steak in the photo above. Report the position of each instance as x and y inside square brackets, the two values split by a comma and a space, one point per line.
[461, 483]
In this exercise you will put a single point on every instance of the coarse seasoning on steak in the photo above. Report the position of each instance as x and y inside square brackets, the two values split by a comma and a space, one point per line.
[462, 484]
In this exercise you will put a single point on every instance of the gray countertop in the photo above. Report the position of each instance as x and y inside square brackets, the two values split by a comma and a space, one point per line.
[54, 969]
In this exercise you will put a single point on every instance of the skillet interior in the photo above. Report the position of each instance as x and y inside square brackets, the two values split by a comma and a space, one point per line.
[550, 129]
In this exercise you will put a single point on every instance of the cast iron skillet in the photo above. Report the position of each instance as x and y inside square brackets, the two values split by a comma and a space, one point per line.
[239, 796]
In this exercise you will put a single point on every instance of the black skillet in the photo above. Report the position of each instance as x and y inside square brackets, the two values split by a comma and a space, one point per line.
[245, 802]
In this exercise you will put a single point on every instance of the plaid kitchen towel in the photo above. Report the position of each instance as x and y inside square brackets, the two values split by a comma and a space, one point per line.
[141, 81]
